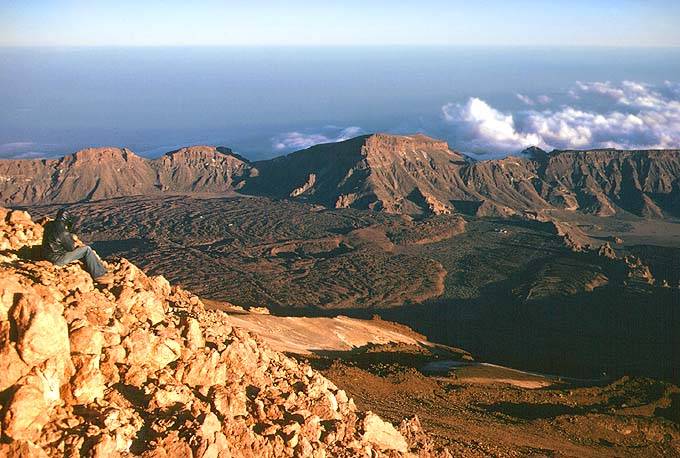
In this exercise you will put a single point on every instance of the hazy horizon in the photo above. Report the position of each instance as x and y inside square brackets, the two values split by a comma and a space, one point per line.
[266, 101]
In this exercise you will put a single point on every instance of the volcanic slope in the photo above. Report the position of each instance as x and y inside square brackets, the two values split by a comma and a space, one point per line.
[139, 368]
[397, 174]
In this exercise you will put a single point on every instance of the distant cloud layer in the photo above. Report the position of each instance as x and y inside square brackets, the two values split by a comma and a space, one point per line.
[20, 150]
[625, 115]
[293, 141]
[628, 115]
[540, 99]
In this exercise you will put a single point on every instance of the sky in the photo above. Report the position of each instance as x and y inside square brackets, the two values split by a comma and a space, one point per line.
[348, 22]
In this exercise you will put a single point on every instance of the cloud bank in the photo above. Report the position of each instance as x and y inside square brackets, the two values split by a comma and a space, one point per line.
[293, 141]
[628, 115]
[21, 150]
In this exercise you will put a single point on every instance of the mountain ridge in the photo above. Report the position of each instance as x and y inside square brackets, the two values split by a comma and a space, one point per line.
[409, 174]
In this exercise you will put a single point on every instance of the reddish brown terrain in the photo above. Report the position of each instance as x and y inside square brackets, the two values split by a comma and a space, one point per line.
[562, 263]
[536, 295]
[477, 410]
[139, 368]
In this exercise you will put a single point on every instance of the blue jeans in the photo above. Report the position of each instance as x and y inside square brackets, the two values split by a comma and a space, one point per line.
[92, 263]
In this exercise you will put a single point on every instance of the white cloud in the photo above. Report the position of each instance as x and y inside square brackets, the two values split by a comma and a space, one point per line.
[525, 99]
[633, 116]
[539, 99]
[628, 93]
[293, 141]
[482, 128]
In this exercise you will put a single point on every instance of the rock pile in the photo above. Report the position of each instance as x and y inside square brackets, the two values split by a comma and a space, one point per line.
[139, 368]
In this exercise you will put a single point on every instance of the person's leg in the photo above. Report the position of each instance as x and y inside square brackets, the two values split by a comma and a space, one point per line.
[70, 256]
[92, 263]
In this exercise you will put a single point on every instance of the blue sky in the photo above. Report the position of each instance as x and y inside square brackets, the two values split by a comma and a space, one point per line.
[347, 22]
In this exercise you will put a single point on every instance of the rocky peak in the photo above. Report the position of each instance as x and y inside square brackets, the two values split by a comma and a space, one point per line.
[199, 151]
[193, 155]
[101, 155]
[400, 146]
[411, 140]
[534, 153]
[139, 368]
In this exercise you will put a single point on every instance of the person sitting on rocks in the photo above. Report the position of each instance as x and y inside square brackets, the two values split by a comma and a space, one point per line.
[59, 247]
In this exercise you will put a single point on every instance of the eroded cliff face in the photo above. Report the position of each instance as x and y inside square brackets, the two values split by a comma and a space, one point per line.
[409, 174]
[139, 368]
[420, 175]
[394, 173]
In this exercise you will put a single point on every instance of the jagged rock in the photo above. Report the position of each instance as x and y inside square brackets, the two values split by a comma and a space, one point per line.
[139, 368]
[105, 447]
[203, 369]
[382, 435]
[12, 367]
[228, 403]
[88, 383]
[10, 288]
[144, 348]
[170, 396]
[192, 333]
[85, 339]
[22, 449]
[27, 411]
[606, 251]
[169, 447]
[19, 218]
[143, 305]
[41, 329]
[42, 337]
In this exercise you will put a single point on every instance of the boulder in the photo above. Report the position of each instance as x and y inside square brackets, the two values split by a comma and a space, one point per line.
[382, 435]
[28, 409]
[88, 382]
[86, 339]
[42, 331]
[12, 367]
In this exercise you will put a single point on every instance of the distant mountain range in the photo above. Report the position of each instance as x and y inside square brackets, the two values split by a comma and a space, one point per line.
[399, 174]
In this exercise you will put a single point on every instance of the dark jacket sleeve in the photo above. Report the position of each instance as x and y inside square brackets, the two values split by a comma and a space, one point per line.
[66, 238]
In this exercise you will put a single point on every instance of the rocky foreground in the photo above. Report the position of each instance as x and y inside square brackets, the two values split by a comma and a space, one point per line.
[139, 368]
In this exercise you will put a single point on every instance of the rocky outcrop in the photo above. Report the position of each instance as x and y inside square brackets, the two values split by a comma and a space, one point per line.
[201, 169]
[139, 368]
[393, 173]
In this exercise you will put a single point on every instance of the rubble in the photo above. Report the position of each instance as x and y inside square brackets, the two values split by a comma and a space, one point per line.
[139, 368]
